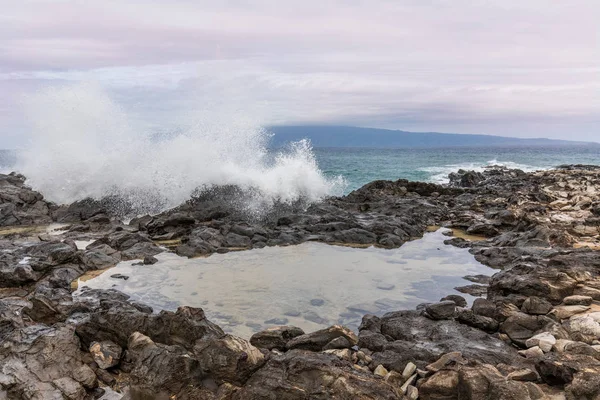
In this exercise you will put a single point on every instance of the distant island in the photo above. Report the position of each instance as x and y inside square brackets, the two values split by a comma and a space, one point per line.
[351, 136]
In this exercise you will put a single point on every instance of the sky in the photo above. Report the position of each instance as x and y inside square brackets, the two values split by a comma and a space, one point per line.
[508, 67]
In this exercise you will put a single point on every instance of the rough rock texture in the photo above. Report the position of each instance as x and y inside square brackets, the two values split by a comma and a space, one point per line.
[538, 229]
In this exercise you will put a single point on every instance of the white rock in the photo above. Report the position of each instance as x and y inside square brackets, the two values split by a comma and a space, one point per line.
[412, 393]
[409, 370]
[409, 382]
[585, 324]
[560, 345]
[543, 340]
[532, 352]
[565, 312]
[342, 354]
[380, 371]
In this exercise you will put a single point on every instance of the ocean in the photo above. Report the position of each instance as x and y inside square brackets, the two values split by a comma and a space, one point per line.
[358, 166]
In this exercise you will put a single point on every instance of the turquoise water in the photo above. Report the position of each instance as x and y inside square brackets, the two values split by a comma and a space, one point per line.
[360, 165]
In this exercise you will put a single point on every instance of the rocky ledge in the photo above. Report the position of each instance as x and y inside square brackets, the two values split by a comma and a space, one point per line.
[534, 333]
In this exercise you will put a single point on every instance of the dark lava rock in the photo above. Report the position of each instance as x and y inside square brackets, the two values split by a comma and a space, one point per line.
[106, 353]
[317, 302]
[481, 279]
[316, 341]
[468, 317]
[519, 326]
[150, 260]
[228, 358]
[286, 377]
[473, 290]
[536, 306]
[276, 337]
[442, 310]
[458, 300]
[463, 178]
[277, 321]
[371, 340]
[119, 320]
[430, 339]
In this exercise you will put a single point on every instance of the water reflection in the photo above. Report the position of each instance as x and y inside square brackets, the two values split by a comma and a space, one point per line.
[310, 285]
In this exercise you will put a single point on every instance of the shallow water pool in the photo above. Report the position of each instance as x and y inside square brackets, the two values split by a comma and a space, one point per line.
[312, 285]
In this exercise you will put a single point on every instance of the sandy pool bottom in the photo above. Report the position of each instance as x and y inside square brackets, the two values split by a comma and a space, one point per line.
[312, 285]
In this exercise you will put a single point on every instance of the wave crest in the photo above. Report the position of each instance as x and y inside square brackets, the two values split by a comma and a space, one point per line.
[83, 145]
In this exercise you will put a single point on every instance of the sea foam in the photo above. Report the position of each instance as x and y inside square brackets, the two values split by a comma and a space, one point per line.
[83, 144]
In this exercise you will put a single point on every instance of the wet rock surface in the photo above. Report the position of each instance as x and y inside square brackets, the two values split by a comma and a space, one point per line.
[534, 333]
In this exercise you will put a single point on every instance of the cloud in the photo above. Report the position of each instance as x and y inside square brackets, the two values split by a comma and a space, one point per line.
[504, 67]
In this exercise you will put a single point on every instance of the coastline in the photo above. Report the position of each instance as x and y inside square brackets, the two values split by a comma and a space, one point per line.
[536, 335]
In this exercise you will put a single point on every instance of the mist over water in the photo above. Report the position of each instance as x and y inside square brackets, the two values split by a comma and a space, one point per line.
[83, 144]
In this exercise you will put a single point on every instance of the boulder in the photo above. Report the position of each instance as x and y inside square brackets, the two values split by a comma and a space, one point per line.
[116, 320]
[317, 340]
[301, 374]
[442, 310]
[519, 327]
[458, 300]
[276, 337]
[106, 353]
[468, 317]
[228, 359]
[425, 340]
[578, 300]
[160, 371]
[543, 340]
[536, 306]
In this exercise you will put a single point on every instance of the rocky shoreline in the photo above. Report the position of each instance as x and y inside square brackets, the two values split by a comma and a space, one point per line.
[534, 334]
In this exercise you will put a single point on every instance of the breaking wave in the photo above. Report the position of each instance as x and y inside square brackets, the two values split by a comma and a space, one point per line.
[440, 174]
[84, 145]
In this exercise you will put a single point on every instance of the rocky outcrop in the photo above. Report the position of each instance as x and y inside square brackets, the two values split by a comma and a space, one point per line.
[536, 328]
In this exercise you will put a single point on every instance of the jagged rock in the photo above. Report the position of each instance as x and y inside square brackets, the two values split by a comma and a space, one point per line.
[519, 327]
[442, 310]
[70, 388]
[106, 353]
[585, 328]
[458, 300]
[160, 370]
[585, 385]
[441, 385]
[316, 341]
[228, 359]
[468, 317]
[409, 371]
[536, 306]
[578, 300]
[286, 377]
[532, 352]
[566, 312]
[119, 320]
[371, 340]
[370, 323]
[525, 375]
[40, 362]
[543, 340]
[276, 337]
[484, 307]
[482, 381]
[342, 354]
[380, 371]
[422, 341]
[448, 360]
[560, 368]
[339, 342]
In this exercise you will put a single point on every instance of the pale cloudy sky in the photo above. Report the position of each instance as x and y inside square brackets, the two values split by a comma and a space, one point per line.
[527, 68]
